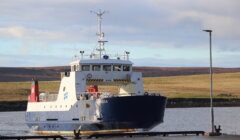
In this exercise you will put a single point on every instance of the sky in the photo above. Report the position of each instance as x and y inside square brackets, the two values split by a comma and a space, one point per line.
[161, 33]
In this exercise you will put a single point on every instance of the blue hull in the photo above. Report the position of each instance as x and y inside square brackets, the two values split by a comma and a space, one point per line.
[133, 111]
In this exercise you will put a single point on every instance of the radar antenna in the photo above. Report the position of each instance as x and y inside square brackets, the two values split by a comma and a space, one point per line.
[100, 34]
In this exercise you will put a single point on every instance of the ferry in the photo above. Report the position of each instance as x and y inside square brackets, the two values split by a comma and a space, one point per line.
[81, 107]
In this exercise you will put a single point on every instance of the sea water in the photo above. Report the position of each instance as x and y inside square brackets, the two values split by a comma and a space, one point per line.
[175, 119]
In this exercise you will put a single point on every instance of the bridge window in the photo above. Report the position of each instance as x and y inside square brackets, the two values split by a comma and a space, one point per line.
[116, 67]
[96, 67]
[107, 67]
[126, 67]
[74, 68]
[85, 67]
[78, 67]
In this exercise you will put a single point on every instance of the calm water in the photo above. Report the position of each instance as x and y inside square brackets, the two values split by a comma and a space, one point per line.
[178, 119]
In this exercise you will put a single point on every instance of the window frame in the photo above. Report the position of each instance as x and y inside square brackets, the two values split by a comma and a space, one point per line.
[120, 68]
[128, 66]
[108, 67]
[98, 66]
[82, 67]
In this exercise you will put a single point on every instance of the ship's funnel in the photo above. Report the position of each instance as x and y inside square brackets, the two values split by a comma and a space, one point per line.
[34, 96]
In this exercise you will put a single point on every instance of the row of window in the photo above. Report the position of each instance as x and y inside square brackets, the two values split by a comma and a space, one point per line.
[83, 118]
[57, 126]
[101, 67]
[74, 119]
[60, 106]
[51, 126]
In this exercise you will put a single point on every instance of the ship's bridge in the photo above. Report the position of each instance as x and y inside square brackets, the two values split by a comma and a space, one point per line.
[104, 71]
[101, 65]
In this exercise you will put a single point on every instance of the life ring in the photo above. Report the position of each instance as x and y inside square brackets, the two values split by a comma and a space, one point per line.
[146, 93]
[89, 76]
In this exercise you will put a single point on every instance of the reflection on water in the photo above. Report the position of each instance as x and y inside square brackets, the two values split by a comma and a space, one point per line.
[13, 123]
[176, 119]
[179, 119]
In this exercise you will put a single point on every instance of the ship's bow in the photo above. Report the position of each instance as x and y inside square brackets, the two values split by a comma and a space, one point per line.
[132, 112]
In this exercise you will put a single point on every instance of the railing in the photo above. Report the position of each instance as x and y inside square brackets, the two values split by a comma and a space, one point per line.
[98, 95]
[124, 56]
[47, 97]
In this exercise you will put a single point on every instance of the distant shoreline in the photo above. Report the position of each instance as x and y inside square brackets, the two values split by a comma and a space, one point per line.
[171, 103]
[25, 74]
[202, 102]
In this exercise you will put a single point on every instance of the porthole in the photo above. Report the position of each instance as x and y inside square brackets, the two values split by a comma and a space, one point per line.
[83, 118]
[87, 105]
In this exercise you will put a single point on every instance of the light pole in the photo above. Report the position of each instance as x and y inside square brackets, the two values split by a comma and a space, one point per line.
[211, 81]
[82, 52]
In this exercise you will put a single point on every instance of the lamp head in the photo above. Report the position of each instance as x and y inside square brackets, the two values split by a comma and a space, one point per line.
[208, 31]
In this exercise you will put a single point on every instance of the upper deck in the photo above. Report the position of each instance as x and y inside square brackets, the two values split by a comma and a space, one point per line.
[99, 65]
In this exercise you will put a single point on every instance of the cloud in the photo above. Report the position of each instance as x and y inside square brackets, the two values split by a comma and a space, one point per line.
[147, 24]
[17, 32]
[45, 35]
[219, 15]
[32, 60]
[138, 20]
[222, 26]
[22, 32]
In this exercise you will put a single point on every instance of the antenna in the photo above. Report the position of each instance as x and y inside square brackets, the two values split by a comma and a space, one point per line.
[100, 34]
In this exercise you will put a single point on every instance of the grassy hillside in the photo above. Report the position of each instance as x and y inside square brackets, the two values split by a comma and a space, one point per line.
[20, 90]
[226, 85]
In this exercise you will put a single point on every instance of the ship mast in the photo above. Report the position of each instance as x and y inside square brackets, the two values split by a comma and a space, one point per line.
[100, 34]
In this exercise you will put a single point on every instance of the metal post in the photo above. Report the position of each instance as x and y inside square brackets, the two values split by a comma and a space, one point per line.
[211, 81]
[127, 55]
[82, 52]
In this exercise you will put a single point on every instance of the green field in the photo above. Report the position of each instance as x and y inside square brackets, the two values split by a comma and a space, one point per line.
[226, 85]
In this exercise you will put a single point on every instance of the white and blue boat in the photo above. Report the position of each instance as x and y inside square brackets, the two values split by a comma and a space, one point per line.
[81, 106]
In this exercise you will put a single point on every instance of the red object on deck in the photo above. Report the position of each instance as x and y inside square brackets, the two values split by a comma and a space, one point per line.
[34, 96]
[92, 89]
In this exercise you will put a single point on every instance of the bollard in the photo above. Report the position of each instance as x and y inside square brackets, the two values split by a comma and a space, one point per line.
[77, 134]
